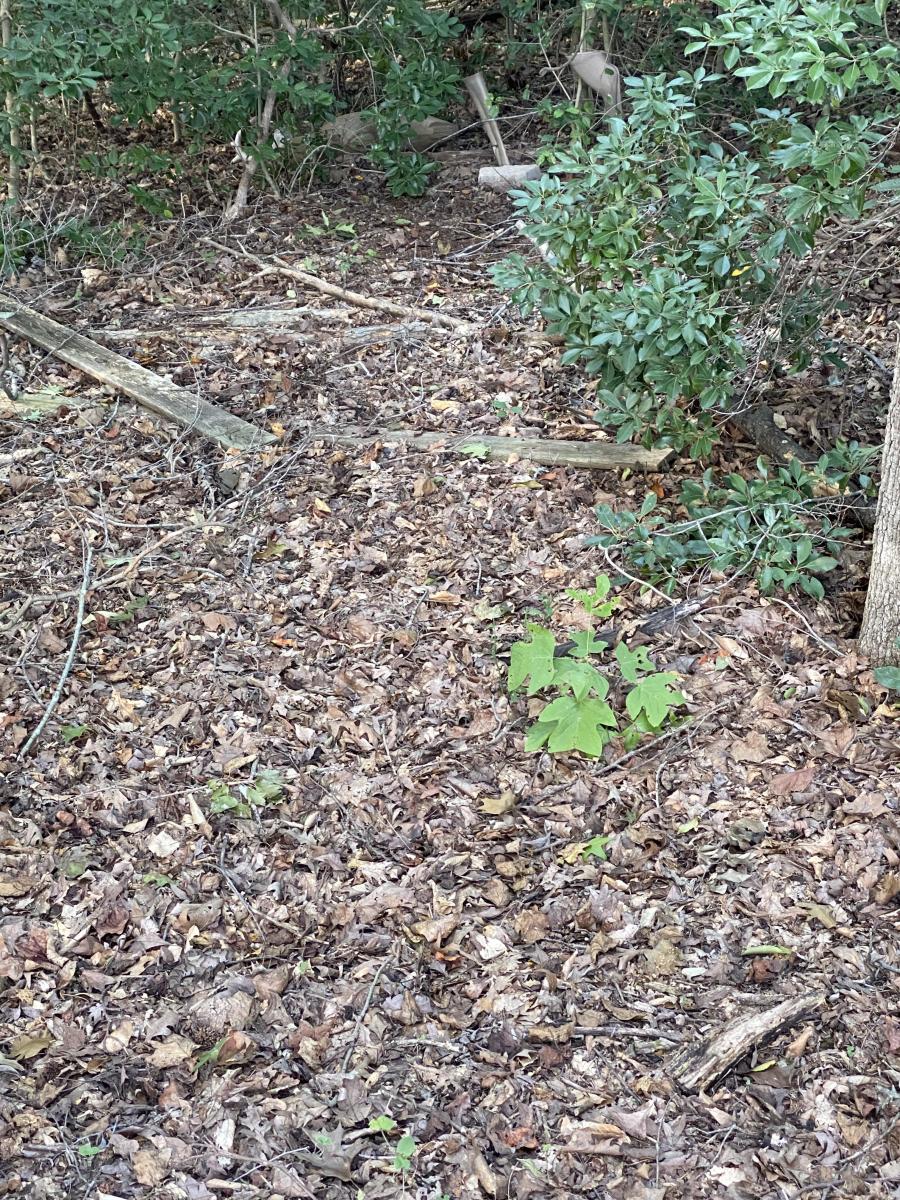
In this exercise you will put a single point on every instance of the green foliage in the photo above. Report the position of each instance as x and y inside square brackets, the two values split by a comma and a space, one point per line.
[888, 677]
[24, 241]
[71, 733]
[670, 236]
[596, 847]
[580, 717]
[157, 879]
[265, 788]
[212, 65]
[406, 1147]
[211, 1056]
[404, 1152]
[777, 527]
[382, 1124]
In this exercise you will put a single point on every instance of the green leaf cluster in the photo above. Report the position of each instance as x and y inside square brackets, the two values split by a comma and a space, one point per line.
[668, 235]
[781, 527]
[580, 716]
[265, 788]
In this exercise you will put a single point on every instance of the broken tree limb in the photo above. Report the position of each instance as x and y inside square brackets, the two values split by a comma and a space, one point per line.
[590, 456]
[696, 1068]
[277, 267]
[150, 390]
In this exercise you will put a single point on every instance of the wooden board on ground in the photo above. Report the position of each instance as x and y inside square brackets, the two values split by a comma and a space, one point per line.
[111, 369]
[591, 456]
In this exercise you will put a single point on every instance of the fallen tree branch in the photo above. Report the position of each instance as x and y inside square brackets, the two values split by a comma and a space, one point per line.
[70, 657]
[696, 1068]
[278, 267]
[233, 321]
[591, 456]
[150, 390]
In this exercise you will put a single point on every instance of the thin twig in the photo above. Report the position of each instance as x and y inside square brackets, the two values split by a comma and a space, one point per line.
[70, 657]
[685, 727]
[362, 1013]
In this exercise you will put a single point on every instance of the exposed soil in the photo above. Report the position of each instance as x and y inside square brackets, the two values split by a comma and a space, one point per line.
[196, 1004]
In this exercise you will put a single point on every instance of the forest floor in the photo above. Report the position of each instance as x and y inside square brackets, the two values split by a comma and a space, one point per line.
[401, 975]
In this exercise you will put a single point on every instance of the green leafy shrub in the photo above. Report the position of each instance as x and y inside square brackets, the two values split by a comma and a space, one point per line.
[210, 66]
[581, 716]
[778, 527]
[672, 237]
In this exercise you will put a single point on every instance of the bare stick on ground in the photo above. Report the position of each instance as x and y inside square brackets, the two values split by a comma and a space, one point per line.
[70, 657]
[277, 267]
[591, 456]
[150, 390]
[695, 1069]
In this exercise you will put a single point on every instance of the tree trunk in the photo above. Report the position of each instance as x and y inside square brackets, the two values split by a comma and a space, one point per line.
[12, 111]
[879, 638]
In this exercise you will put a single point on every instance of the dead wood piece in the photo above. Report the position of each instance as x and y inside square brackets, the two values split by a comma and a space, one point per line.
[150, 390]
[264, 318]
[591, 456]
[695, 1069]
[462, 157]
[277, 267]
[359, 131]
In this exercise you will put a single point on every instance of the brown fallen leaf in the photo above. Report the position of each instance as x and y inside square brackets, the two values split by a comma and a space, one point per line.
[891, 1034]
[30, 1047]
[444, 598]
[237, 1047]
[822, 914]
[172, 1051]
[797, 1047]
[553, 1034]
[151, 1166]
[887, 887]
[752, 749]
[663, 959]
[435, 929]
[793, 781]
[117, 1040]
[16, 885]
[498, 806]
[532, 926]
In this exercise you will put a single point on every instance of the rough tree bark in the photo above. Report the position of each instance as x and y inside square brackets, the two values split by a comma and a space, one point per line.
[879, 638]
[12, 111]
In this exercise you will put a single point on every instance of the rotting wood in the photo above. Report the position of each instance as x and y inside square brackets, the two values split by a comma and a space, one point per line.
[696, 1068]
[353, 338]
[159, 395]
[277, 267]
[590, 456]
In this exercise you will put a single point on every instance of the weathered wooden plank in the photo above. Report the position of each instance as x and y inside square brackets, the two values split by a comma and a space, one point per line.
[590, 456]
[114, 371]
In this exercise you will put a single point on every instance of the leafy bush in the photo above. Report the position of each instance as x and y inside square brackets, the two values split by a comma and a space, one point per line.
[669, 240]
[210, 67]
[778, 527]
[581, 716]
